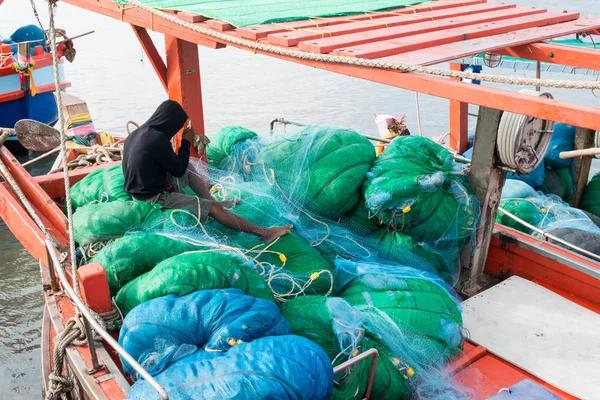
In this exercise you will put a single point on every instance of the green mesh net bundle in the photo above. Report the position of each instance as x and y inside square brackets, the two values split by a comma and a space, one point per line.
[321, 167]
[590, 200]
[411, 319]
[546, 213]
[233, 149]
[105, 221]
[133, 255]
[101, 185]
[190, 272]
[416, 188]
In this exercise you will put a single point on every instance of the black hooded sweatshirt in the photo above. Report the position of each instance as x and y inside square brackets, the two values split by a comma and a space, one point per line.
[148, 155]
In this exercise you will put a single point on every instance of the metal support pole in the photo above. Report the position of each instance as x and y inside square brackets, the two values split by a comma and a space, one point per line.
[53, 283]
[96, 366]
[584, 139]
[538, 74]
[369, 353]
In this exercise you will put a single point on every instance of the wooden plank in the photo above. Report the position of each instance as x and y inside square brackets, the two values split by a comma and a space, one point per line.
[256, 32]
[190, 17]
[183, 70]
[486, 181]
[57, 221]
[576, 57]
[292, 38]
[403, 45]
[155, 59]
[584, 139]
[21, 225]
[219, 25]
[564, 55]
[327, 45]
[459, 120]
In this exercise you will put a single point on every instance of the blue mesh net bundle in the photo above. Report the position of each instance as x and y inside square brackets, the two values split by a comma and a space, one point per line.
[273, 367]
[374, 247]
[168, 328]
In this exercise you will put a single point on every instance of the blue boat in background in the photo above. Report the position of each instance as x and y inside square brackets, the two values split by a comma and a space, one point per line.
[27, 79]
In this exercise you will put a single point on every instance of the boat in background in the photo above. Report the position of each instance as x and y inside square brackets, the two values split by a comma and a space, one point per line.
[27, 80]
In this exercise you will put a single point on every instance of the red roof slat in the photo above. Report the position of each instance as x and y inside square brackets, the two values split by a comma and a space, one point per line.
[292, 38]
[256, 32]
[415, 42]
[327, 45]
[456, 50]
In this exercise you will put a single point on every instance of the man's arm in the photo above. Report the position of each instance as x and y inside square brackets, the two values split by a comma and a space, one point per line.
[176, 164]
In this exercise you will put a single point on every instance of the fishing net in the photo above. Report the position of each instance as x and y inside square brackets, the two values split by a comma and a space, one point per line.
[166, 329]
[416, 188]
[133, 255]
[547, 213]
[101, 185]
[392, 260]
[192, 271]
[590, 201]
[273, 367]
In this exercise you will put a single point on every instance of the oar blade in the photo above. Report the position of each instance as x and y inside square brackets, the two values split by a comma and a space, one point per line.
[36, 136]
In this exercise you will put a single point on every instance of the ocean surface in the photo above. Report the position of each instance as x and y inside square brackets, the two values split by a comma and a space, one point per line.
[239, 88]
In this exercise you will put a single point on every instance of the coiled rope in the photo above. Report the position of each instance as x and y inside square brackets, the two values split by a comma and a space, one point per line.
[362, 62]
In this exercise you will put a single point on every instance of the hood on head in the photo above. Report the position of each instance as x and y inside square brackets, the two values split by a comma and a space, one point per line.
[168, 118]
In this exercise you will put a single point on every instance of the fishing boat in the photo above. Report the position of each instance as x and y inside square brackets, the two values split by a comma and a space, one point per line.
[531, 306]
[26, 80]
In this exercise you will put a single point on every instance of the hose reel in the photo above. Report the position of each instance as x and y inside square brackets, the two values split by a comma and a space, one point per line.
[523, 141]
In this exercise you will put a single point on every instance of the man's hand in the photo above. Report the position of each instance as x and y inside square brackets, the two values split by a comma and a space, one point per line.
[188, 134]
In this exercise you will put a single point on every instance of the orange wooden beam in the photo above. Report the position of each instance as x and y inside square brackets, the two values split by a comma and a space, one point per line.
[506, 259]
[557, 54]
[559, 111]
[54, 186]
[183, 80]
[21, 225]
[36, 196]
[155, 59]
[459, 120]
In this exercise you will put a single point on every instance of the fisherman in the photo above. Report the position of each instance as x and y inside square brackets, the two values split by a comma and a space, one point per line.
[155, 174]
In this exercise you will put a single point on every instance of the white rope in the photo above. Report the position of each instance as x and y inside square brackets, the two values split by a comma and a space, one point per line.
[418, 113]
[63, 147]
[362, 62]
